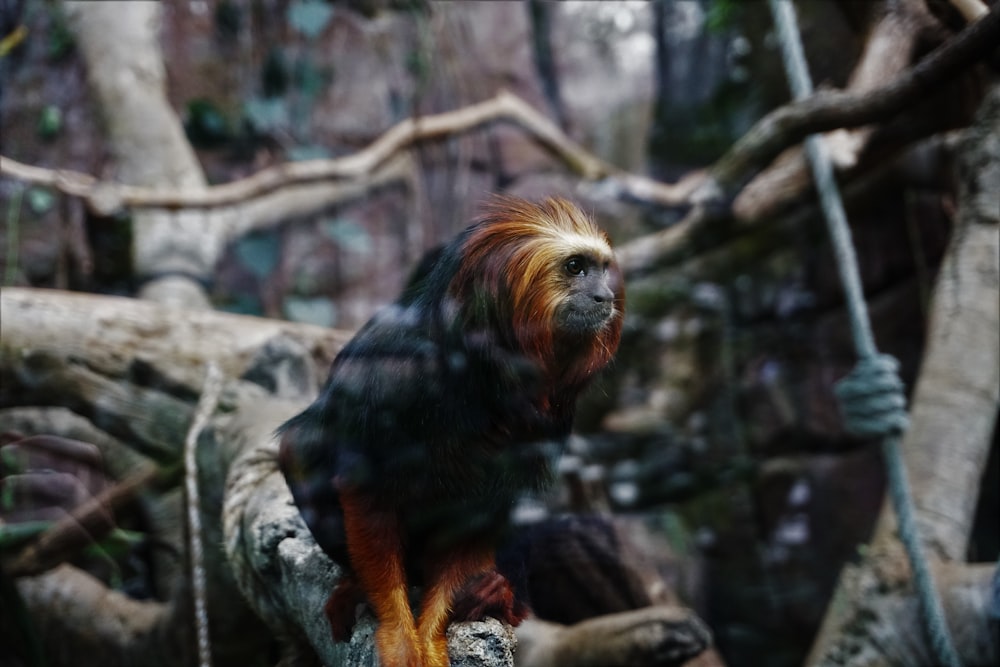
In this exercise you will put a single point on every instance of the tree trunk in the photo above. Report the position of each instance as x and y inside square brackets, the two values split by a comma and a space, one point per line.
[953, 416]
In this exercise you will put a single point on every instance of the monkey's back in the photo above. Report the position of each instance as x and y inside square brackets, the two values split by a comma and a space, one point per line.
[442, 424]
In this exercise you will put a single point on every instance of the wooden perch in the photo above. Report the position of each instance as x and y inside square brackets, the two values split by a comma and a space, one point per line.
[277, 567]
[283, 573]
[658, 635]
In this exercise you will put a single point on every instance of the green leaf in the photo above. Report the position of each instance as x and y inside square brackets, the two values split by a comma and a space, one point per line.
[317, 310]
[267, 114]
[309, 17]
[722, 14]
[347, 234]
[259, 253]
[204, 123]
[242, 304]
[12, 534]
[49, 122]
[309, 78]
[312, 152]
[40, 200]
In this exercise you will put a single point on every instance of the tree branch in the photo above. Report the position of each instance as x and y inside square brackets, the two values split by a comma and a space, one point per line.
[829, 110]
[952, 420]
[106, 197]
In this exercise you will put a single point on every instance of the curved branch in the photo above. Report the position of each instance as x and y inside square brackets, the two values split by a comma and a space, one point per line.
[106, 196]
[829, 110]
[708, 191]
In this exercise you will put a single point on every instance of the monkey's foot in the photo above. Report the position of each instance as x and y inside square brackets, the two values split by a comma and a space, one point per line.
[489, 595]
[341, 608]
[399, 647]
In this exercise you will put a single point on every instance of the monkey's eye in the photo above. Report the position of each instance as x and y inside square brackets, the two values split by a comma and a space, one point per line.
[575, 266]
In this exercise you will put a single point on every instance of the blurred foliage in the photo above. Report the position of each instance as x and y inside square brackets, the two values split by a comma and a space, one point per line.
[274, 77]
[723, 14]
[228, 19]
[267, 114]
[49, 122]
[259, 253]
[348, 234]
[61, 40]
[316, 310]
[40, 200]
[309, 17]
[205, 125]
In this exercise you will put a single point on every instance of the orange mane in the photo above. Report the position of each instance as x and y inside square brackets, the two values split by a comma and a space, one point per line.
[513, 260]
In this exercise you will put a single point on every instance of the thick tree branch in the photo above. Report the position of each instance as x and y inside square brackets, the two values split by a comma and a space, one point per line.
[277, 566]
[829, 110]
[952, 420]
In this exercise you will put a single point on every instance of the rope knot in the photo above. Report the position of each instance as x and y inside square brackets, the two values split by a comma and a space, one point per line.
[871, 398]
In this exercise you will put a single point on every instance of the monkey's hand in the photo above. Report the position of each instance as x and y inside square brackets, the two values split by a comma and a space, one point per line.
[341, 608]
[490, 594]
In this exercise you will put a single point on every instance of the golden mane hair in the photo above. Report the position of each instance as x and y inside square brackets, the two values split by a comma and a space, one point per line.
[512, 265]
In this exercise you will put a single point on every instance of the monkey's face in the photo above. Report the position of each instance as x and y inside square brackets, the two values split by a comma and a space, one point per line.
[591, 285]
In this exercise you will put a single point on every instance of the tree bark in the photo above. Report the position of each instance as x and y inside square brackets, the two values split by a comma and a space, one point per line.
[135, 368]
[952, 420]
[172, 251]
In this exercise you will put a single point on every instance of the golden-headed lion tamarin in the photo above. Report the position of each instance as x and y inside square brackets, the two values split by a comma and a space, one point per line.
[444, 408]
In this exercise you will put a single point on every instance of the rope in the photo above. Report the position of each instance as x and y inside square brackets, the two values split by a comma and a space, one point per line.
[207, 403]
[871, 396]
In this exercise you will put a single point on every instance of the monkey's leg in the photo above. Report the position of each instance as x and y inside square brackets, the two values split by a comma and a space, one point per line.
[376, 551]
[446, 578]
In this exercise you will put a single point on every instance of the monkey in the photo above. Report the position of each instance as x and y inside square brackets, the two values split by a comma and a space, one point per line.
[442, 410]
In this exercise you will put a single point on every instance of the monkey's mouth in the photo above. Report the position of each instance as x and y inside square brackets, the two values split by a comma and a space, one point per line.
[586, 320]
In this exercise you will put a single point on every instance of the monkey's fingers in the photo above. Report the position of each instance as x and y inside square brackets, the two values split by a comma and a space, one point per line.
[489, 595]
[341, 608]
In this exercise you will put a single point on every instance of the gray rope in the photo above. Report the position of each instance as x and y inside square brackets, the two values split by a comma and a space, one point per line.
[872, 394]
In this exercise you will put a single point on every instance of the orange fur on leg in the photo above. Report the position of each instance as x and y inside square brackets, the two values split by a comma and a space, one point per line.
[447, 577]
[373, 540]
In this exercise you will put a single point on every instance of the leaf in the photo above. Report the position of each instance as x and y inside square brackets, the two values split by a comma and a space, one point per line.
[309, 17]
[318, 310]
[13, 534]
[312, 152]
[49, 122]
[242, 304]
[266, 114]
[348, 234]
[309, 78]
[259, 253]
[40, 200]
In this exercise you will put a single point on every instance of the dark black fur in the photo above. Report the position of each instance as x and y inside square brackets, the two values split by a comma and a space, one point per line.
[419, 413]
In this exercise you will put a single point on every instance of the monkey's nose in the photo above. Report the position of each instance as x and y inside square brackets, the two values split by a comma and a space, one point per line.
[604, 294]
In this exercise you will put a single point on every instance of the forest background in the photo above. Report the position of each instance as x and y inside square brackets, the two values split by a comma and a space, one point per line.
[293, 159]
